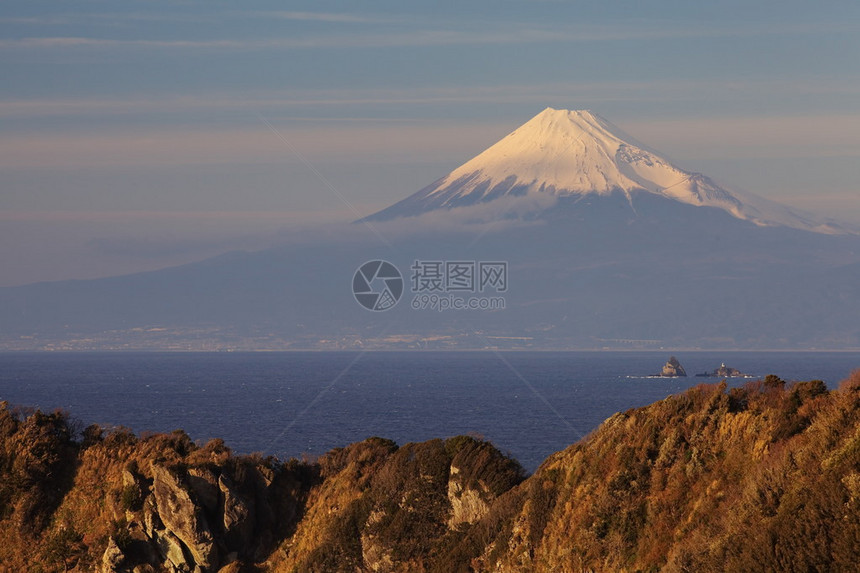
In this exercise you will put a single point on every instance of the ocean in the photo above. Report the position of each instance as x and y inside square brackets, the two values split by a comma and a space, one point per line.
[295, 404]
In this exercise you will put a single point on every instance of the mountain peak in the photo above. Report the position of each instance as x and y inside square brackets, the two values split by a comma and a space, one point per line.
[570, 115]
[563, 113]
[557, 151]
[563, 153]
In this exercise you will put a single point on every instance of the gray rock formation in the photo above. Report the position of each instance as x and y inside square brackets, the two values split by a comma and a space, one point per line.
[467, 504]
[204, 485]
[238, 515]
[183, 518]
[673, 368]
[112, 558]
[198, 519]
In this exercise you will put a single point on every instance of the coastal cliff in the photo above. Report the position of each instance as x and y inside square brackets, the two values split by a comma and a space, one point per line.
[764, 477]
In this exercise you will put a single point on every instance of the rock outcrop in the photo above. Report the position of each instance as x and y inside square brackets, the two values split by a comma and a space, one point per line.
[673, 368]
[468, 504]
[112, 558]
[183, 518]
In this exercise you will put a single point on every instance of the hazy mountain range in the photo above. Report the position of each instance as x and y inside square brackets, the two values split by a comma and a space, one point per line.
[605, 242]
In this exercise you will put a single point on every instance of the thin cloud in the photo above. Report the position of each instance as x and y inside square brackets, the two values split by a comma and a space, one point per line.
[502, 35]
[834, 135]
[413, 142]
[26, 20]
[150, 216]
[245, 145]
[114, 18]
[417, 38]
[559, 94]
[88, 42]
[334, 17]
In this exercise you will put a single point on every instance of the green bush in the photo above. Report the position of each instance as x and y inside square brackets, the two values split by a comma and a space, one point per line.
[130, 498]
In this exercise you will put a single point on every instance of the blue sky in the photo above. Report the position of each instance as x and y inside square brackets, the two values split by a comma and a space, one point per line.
[135, 135]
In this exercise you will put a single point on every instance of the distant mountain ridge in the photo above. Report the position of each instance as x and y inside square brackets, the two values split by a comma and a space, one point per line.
[577, 153]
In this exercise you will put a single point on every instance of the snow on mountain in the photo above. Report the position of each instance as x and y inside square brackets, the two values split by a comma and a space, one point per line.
[576, 153]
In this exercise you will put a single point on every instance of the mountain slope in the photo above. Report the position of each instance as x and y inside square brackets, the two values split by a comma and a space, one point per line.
[577, 153]
[711, 480]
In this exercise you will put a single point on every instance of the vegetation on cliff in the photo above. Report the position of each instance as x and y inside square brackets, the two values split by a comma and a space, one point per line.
[764, 477]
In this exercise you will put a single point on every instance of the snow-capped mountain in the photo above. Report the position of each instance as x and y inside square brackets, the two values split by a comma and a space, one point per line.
[606, 244]
[577, 153]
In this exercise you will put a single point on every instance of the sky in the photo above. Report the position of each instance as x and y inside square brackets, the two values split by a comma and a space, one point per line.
[141, 134]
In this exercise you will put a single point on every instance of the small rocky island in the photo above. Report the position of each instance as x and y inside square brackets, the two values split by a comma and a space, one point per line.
[723, 372]
[673, 369]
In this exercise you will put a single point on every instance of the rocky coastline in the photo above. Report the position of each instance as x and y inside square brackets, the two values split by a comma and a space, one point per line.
[714, 478]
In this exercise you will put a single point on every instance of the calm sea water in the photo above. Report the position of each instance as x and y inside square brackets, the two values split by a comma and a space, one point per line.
[529, 404]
